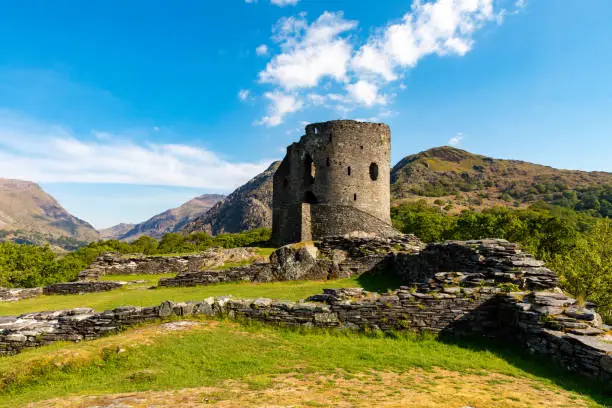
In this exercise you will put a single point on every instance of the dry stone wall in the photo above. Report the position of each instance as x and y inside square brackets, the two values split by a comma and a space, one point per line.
[15, 294]
[331, 258]
[117, 264]
[75, 288]
[477, 262]
[547, 323]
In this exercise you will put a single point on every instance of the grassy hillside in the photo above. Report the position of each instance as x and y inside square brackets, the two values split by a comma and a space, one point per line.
[446, 175]
[29, 215]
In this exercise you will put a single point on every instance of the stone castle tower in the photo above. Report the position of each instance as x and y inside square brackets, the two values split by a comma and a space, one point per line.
[334, 181]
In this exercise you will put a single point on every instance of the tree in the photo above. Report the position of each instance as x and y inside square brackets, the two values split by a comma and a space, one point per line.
[586, 272]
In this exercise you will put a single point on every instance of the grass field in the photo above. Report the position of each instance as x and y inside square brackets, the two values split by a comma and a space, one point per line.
[141, 295]
[233, 365]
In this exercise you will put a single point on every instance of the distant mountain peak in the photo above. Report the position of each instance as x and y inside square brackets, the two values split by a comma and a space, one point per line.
[168, 221]
[29, 214]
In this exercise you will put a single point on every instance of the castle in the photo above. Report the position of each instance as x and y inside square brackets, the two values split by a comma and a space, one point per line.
[334, 181]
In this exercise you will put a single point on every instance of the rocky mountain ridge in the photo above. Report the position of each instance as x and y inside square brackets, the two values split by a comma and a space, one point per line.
[170, 220]
[248, 207]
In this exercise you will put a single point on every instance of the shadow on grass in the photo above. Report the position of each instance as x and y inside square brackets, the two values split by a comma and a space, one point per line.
[380, 282]
[538, 366]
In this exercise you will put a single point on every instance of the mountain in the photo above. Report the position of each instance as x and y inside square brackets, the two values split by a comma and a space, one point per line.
[171, 220]
[248, 207]
[453, 176]
[115, 231]
[29, 215]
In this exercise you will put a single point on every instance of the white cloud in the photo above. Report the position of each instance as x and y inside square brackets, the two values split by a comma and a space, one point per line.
[455, 140]
[281, 104]
[52, 154]
[262, 50]
[283, 3]
[310, 53]
[244, 94]
[322, 57]
[366, 93]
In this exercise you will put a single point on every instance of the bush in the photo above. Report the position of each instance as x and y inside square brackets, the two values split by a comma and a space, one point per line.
[586, 270]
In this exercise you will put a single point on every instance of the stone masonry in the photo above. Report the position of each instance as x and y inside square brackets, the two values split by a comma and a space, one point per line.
[15, 294]
[117, 264]
[334, 181]
[332, 258]
[523, 317]
[75, 288]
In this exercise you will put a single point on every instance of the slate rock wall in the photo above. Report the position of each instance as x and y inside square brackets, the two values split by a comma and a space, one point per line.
[75, 288]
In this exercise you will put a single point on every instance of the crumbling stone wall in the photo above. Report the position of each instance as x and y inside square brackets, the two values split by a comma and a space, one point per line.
[478, 262]
[75, 288]
[137, 264]
[338, 171]
[15, 294]
[331, 258]
[546, 322]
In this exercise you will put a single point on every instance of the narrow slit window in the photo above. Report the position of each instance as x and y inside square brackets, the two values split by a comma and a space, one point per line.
[355, 197]
[348, 170]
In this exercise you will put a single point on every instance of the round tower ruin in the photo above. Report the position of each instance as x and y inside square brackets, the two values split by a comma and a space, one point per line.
[334, 181]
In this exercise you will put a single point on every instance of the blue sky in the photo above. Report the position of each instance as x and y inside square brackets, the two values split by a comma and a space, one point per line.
[124, 109]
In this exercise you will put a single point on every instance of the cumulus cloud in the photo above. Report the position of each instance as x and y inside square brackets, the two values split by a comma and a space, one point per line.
[323, 57]
[455, 140]
[366, 93]
[309, 53]
[281, 104]
[46, 153]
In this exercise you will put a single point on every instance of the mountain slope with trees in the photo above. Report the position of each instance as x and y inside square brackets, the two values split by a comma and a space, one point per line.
[457, 179]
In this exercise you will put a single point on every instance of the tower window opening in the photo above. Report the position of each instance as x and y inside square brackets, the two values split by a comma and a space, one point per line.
[374, 171]
[285, 183]
[316, 130]
[328, 163]
[361, 147]
[348, 170]
[355, 197]
[310, 170]
[330, 137]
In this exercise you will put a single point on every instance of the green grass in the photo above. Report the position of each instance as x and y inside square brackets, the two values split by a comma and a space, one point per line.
[138, 296]
[253, 353]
